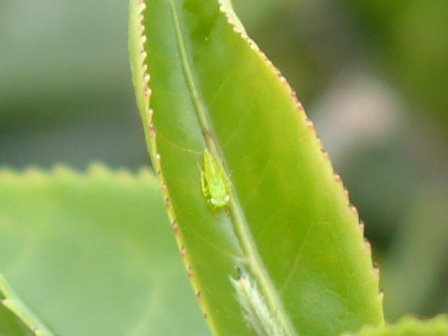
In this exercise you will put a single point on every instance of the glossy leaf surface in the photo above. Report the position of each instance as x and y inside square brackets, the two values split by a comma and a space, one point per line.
[288, 238]
[93, 254]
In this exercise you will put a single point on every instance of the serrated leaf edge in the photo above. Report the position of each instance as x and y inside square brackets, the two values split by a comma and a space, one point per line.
[144, 93]
[95, 170]
[300, 109]
[137, 17]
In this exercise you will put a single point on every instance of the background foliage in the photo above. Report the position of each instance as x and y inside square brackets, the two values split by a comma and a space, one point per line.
[372, 75]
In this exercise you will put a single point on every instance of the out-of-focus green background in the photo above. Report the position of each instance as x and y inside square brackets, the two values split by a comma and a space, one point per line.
[372, 74]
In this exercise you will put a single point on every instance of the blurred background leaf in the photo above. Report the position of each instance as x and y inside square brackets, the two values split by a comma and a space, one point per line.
[93, 254]
[373, 76]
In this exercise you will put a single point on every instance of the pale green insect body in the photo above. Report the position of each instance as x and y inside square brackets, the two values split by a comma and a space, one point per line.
[214, 181]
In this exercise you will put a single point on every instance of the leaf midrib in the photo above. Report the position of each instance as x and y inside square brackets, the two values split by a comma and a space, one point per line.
[240, 224]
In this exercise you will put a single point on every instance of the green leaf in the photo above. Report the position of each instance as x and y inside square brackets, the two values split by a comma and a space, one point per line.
[286, 254]
[93, 254]
[15, 317]
[409, 326]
